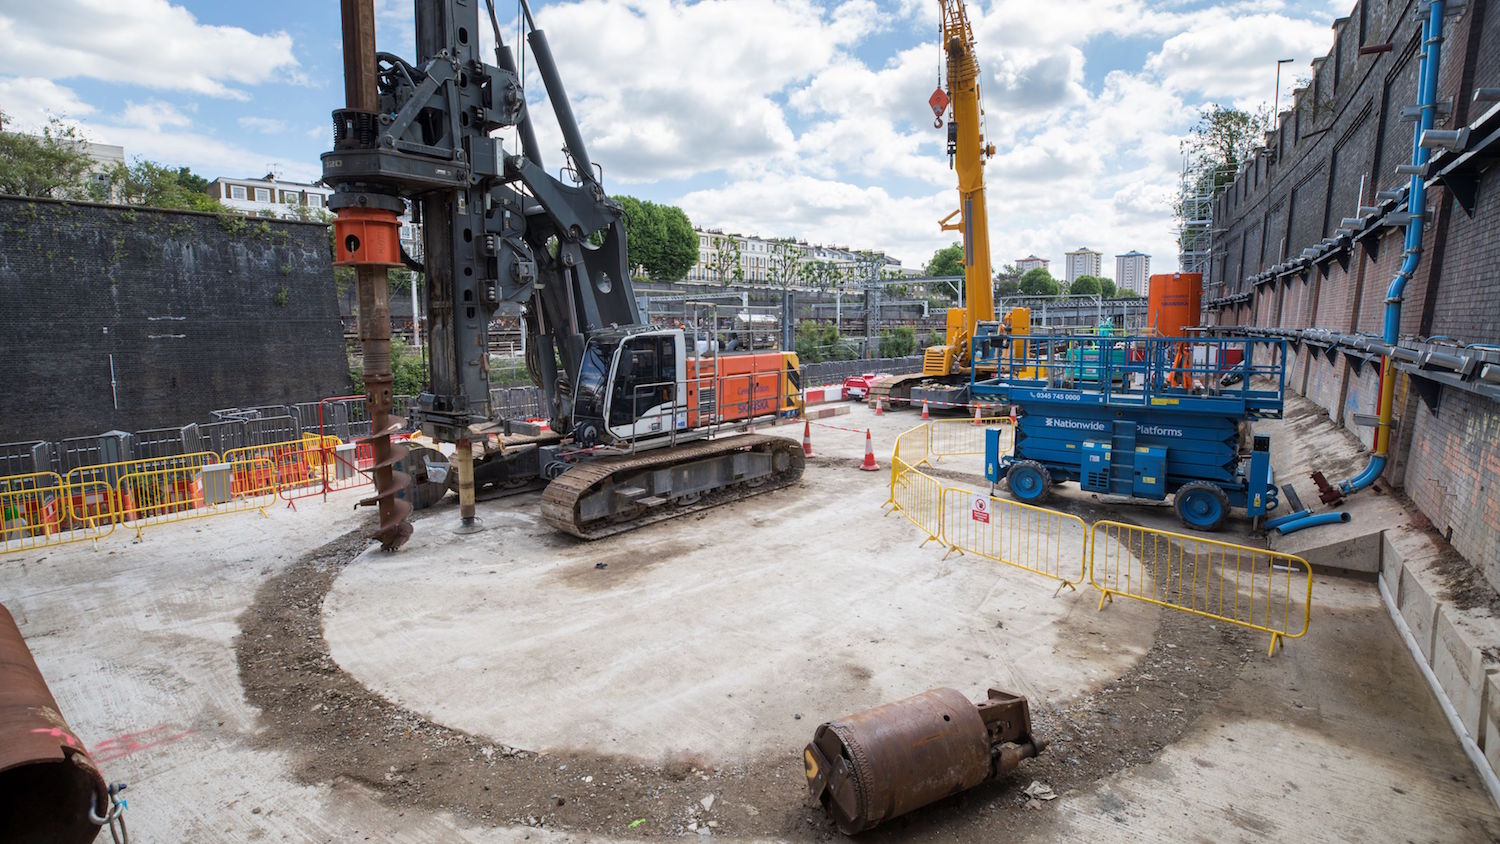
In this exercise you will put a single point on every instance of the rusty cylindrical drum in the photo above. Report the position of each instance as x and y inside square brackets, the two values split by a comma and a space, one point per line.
[881, 763]
[48, 784]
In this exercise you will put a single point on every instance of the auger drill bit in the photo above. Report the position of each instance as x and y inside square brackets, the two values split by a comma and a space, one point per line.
[367, 238]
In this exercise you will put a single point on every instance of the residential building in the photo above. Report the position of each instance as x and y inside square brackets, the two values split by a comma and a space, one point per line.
[275, 197]
[756, 258]
[1031, 262]
[1082, 261]
[1132, 271]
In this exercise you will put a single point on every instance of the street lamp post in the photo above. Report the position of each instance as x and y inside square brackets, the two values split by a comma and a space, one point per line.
[1276, 107]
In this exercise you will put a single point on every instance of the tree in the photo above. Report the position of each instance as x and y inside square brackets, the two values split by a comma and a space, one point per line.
[1086, 285]
[1039, 282]
[819, 341]
[1008, 281]
[156, 186]
[659, 239]
[1126, 293]
[1106, 287]
[724, 259]
[784, 263]
[53, 164]
[897, 342]
[948, 261]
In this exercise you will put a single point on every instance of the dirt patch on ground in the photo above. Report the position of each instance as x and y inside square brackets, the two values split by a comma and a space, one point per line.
[334, 729]
[1467, 589]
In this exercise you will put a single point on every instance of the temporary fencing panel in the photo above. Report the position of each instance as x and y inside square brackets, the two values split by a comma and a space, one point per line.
[159, 496]
[954, 437]
[1032, 538]
[35, 513]
[1253, 587]
[271, 429]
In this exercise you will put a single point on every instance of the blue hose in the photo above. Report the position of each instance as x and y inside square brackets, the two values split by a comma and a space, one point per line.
[1272, 524]
[1313, 521]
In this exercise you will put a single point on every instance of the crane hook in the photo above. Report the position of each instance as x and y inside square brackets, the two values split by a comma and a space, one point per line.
[937, 122]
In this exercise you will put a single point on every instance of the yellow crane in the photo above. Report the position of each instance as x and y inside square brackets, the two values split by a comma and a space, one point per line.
[968, 152]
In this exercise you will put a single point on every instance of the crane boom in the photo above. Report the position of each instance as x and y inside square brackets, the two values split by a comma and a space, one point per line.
[968, 151]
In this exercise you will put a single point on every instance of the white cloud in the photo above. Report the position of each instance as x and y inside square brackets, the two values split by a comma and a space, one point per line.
[151, 43]
[27, 102]
[268, 125]
[1232, 58]
[153, 115]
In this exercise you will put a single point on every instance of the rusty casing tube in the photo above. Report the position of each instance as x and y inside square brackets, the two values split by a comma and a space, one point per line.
[881, 763]
[48, 782]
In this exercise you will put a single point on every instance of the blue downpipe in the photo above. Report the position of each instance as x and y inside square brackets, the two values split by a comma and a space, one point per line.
[1272, 524]
[1313, 521]
[1416, 204]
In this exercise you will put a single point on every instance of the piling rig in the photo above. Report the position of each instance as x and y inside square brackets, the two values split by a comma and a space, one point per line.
[638, 416]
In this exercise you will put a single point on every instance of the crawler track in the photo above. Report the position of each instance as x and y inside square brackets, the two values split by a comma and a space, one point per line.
[561, 500]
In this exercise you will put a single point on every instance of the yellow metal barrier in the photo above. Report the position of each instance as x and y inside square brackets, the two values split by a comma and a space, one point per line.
[159, 496]
[36, 511]
[1251, 587]
[1031, 538]
[919, 497]
[291, 464]
[109, 474]
[954, 437]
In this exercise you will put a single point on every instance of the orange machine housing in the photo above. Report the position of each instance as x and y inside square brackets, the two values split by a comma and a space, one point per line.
[738, 386]
[1173, 303]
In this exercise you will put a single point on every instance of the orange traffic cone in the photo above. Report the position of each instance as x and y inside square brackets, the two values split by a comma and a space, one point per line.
[924, 409]
[879, 406]
[807, 438]
[869, 465]
[977, 420]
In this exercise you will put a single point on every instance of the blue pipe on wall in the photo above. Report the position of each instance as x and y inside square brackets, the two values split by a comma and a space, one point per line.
[1272, 524]
[1416, 205]
[1313, 521]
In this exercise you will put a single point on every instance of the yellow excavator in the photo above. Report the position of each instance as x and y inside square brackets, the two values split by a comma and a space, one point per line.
[946, 368]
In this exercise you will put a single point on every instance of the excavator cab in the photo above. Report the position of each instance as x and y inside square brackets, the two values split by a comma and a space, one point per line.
[630, 387]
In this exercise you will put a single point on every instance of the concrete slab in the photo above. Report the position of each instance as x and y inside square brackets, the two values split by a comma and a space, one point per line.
[1463, 659]
[710, 635]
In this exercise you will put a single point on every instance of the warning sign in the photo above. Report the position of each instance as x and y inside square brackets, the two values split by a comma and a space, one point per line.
[979, 508]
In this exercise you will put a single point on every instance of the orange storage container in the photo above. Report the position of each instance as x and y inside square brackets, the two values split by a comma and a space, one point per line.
[1173, 303]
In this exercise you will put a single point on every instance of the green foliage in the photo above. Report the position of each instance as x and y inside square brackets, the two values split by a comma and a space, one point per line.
[1008, 281]
[1039, 282]
[153, 185]
[1086, 285]
[1126, 293]
[821, 274]
[817, 341]
[658, 239]
[897, 342]
[282, 296]
[948, 261]
[53, 164]
[407, 366]
[724, 260]
[1106, 287]
[784, 264]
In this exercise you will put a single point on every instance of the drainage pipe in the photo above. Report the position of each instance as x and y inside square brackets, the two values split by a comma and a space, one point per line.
[1416, 206]
[1312, 521]
[1277, 522]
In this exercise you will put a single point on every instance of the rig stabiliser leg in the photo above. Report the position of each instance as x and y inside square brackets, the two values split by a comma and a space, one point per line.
[463, 463]
[881, 763]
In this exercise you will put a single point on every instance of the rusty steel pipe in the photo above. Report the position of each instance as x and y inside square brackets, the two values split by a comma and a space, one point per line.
[366, 239]
[875, 765]
[48, 782]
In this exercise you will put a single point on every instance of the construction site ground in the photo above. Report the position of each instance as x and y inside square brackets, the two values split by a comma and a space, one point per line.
[272, 679]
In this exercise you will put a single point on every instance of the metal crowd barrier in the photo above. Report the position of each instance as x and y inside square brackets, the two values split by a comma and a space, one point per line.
[1252, 587]
[956, 437]
[1256, 588]
[38, 510]
[177, 494]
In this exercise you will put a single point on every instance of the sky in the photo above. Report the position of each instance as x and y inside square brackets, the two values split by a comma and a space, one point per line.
[784, 118]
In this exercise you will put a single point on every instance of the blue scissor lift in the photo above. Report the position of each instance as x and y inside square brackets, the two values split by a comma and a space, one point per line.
[1144, 417]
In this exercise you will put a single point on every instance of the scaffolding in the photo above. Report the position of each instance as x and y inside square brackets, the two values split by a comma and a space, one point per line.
[1202, 181]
